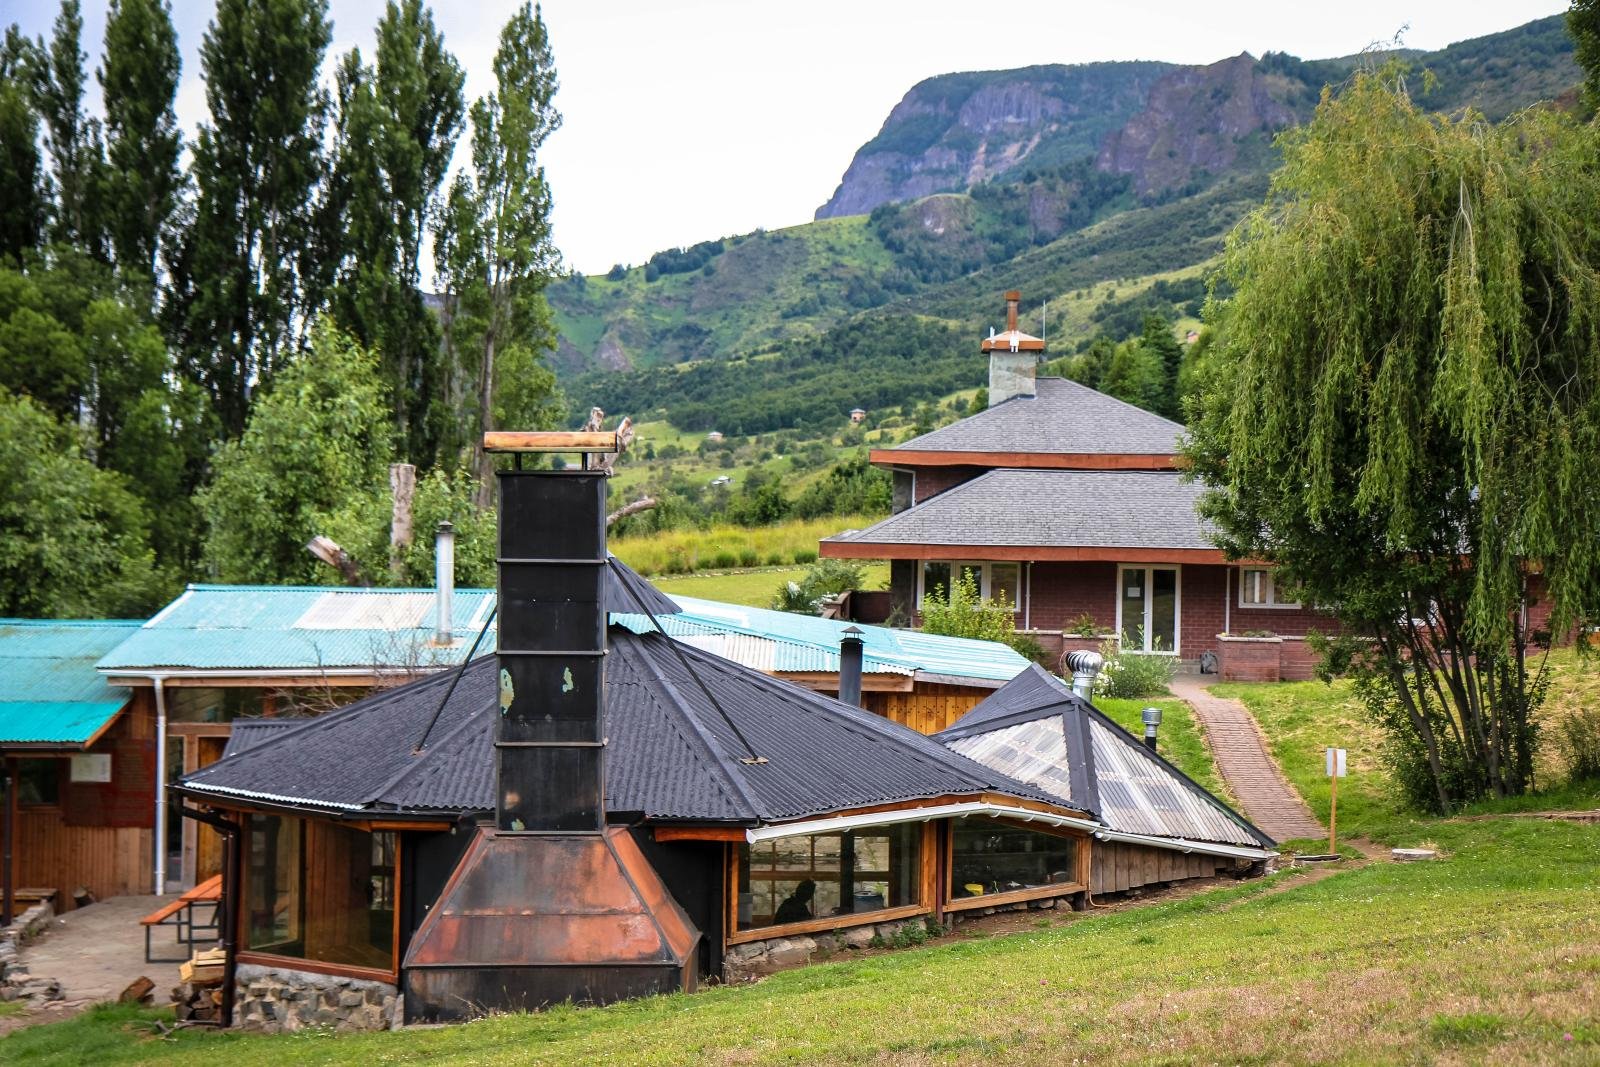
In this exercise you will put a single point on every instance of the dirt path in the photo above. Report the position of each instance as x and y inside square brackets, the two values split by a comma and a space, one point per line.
[1241, 753]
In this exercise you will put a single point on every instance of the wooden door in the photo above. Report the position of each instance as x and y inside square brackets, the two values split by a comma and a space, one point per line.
[208, 843]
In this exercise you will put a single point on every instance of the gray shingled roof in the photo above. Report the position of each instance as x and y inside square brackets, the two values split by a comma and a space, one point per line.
[1054, 509]
[671, 754]
[1035, 728]
[1064, 417]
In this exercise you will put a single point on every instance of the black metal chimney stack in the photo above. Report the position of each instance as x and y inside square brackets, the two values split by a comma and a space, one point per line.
[850, 653]
[552, 645]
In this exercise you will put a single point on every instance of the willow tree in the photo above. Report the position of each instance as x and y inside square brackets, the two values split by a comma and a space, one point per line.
[1404, 411]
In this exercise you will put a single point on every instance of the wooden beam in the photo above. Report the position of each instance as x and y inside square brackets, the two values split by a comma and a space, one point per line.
[550, 441]
[993, 900]
[733, 834]
[1080, 461]
[862, 549]
[830, 922]
[829, 680]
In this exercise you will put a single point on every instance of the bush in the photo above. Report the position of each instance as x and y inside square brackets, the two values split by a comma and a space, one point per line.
[963, 613]
[1578, 738]
[1084, 626]
[1133, 675]
[749, 557]
[804, 556]
[828, 577]
[724, 560]
[775, 559]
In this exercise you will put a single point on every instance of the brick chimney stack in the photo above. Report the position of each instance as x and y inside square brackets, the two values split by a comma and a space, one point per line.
[1013, 357]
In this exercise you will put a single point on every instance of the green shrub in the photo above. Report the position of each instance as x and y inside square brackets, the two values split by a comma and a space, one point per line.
[804, 556]
[1578, 738]
[678, 561]
[774, 559]
[1132, 675]
[724, 560]
[749, 557]
[963, 613]
[825, 578]
[1084, 626]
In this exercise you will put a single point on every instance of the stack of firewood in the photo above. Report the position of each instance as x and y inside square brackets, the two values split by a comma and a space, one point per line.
[198, 994]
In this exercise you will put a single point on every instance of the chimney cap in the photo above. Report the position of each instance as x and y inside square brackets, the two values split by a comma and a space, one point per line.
[852, 633]
[1013, 294]
[446, 526]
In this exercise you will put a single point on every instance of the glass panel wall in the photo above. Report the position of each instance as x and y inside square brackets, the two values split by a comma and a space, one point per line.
[989, 857]
[1163, 610]
[319, 891]
[819, 876]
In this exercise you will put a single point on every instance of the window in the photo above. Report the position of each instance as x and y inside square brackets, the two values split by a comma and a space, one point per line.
[39, 782]
[318, 891]
[990, 860]
[1000, 582]
[1259, 588]
[821, 876]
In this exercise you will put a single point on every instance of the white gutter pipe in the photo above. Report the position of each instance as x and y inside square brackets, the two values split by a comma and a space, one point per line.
[1181, 844]
[444, 583]
[157, 681]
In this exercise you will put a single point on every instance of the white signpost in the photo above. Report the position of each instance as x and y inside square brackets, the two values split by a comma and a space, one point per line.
[1335, 762]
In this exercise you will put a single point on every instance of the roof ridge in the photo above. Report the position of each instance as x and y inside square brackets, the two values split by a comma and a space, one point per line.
[1116, 399]
[84, 623]
[719, 761]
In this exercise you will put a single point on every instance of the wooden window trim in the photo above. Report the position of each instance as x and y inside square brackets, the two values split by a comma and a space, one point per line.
[830, 922]
[295, 963]
[994, 900]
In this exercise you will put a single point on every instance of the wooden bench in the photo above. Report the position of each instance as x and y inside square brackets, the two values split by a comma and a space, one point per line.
[180, 914]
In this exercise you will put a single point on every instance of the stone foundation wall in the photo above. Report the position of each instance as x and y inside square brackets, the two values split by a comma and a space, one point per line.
[279, 999]
[16, 983]
[755, 958]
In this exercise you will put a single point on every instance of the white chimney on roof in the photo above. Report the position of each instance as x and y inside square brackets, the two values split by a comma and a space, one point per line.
[1013, 357]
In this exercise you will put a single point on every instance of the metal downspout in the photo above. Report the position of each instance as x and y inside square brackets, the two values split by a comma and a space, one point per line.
[161, 785]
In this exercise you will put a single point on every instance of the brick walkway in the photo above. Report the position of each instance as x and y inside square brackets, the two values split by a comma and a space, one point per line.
[1267, 798]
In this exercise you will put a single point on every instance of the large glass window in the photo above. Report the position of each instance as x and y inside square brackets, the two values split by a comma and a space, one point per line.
[315, 890]
[821, 876]
[1000, 582]
[1260, 588]
[988, 858]
[1147, 607]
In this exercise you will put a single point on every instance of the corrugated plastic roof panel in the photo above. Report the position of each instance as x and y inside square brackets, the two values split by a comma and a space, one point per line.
[1139, 795]
[49, 689]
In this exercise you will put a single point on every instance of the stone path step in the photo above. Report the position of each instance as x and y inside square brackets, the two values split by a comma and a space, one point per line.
[1236, 741]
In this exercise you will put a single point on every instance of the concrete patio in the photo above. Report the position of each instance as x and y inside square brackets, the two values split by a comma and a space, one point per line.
[97, 951]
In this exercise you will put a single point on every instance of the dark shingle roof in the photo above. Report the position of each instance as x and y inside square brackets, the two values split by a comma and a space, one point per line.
[671, 753]
[1035, 728]
[1052, 508]
[1064, 417]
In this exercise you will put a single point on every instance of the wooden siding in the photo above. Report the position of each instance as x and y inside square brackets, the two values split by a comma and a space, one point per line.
[108, 861]
[929, 708]
[1118, 866]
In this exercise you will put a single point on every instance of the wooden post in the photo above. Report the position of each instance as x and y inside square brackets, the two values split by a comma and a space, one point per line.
[1333, 813]
[8, 832]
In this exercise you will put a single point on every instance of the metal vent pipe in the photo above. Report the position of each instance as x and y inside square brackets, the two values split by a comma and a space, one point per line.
[1152, 720]
[444, 583]
[1085, 667]
[850, 656]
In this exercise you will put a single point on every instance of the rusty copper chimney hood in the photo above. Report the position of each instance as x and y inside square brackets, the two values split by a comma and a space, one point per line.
[549, 905]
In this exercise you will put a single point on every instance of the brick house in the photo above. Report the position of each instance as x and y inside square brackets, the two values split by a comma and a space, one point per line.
[1069, 505]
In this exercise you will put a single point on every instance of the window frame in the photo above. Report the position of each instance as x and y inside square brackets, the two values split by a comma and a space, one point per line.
[1272, 603]
[985, 569]
[1177, 606]
[927, 858]
[63, 777]
[264, 958]
[1080, 869]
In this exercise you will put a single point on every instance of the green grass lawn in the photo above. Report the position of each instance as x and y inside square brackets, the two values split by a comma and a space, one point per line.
[752, 588]
[1492, 956]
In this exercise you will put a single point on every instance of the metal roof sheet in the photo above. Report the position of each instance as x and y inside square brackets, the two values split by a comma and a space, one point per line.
[783, 641]
[1063, 417]
[312, 628]
[672, 748]
[50, 692]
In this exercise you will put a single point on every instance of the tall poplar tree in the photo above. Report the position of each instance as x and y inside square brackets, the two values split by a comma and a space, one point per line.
[23, 203]
[71, 136]
[396, 129]
[138, 80]
[245, 291]
[495, 249]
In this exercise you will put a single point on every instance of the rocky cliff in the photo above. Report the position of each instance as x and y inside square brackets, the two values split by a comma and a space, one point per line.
[954, 131]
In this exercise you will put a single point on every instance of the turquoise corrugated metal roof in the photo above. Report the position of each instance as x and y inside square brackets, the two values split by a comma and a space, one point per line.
[50, 692]
[808, 643]
[266, 627]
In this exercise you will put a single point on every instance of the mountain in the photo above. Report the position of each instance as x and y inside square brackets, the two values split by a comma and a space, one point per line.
[1051, 180]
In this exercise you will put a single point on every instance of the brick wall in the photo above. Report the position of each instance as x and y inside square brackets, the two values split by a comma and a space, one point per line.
[934, 480]
[1250, 659]
[1296, 662]
[1062, 591]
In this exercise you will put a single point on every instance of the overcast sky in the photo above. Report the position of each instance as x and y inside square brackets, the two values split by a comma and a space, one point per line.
[700, 118]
